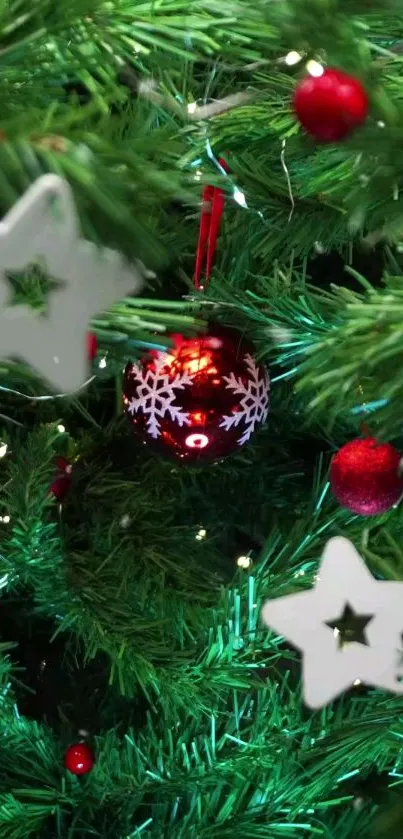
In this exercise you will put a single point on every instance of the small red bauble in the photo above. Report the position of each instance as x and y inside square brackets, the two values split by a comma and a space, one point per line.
[330, 106]
[79, 759]
[62, 479]
[200, 400]
[365, 476]
[92, 345]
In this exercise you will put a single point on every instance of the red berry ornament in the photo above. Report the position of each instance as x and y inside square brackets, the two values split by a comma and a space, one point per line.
[330, 106]
[200, 400]
[62, 479]
[365, 476]
[92, 345]
[79, 759]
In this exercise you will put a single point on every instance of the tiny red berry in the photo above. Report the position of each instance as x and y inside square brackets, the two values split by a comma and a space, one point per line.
[62, 479]
[330, 106]
[79, 759]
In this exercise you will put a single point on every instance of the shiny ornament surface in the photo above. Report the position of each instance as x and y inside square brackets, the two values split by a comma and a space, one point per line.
[62, 480]
[365, 476]
[79, 759]
[199, 401]
[330, 106]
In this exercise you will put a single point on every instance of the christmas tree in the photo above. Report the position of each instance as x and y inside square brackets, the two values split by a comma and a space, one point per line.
[242, 164]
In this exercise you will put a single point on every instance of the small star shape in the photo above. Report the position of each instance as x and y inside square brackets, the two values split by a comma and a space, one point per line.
[349, 627]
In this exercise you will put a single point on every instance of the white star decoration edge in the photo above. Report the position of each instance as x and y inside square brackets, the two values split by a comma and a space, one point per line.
[301, 619]
[35, 229]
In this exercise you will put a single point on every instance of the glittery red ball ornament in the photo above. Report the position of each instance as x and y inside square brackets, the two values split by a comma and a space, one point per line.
[200, 400]
[365, 476]
[92, 345]
[330, 106]
[79, 759]
[62, 479]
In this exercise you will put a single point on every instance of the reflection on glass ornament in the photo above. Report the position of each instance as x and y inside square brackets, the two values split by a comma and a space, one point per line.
[200, 400]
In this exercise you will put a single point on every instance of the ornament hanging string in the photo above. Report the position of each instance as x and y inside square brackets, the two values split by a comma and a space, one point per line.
[209, 228]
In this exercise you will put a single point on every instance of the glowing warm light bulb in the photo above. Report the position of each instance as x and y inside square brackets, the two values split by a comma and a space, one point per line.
[314, 68]
[292, 57]
[239, 197]
[201, 534]
[244, 562]
[61, 429]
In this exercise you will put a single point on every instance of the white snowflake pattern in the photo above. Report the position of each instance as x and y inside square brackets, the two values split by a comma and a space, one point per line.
[254, 407]
[156, 393]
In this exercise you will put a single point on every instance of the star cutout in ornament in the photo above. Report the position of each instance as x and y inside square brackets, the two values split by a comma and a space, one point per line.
[43, 227]
[34, 284]
[306, 620]
[349, 627]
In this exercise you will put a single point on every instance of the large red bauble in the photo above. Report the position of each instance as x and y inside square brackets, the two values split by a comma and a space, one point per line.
[62, 479]
[330, 106]
[200, 400]
[365, 476]
[79, 759]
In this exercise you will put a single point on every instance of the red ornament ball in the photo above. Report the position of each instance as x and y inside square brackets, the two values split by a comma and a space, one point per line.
[79, 759]
[365, 476]
[200, 400]
[92, 346]
[330, 106]
[62, 479]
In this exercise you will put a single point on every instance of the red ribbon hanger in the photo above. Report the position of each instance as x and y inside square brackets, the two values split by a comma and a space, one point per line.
[210, 221]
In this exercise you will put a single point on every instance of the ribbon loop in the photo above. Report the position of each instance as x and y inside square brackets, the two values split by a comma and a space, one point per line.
[209, 229]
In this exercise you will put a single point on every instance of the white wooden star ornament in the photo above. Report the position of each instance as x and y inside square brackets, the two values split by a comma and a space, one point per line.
[43, 226]
[336, 657]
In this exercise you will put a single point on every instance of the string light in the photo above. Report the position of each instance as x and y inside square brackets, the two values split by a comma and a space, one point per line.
[292, 57]
[287, 175]
[3, 449]
[244, 562]
[239, 197]
[61, 429]
[201, 534]
[357, 682]
[5, 519]
[45, 397]
[102, 363]
[314, 68]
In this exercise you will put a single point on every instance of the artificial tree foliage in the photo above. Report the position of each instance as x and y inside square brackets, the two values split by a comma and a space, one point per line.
[130, 611]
